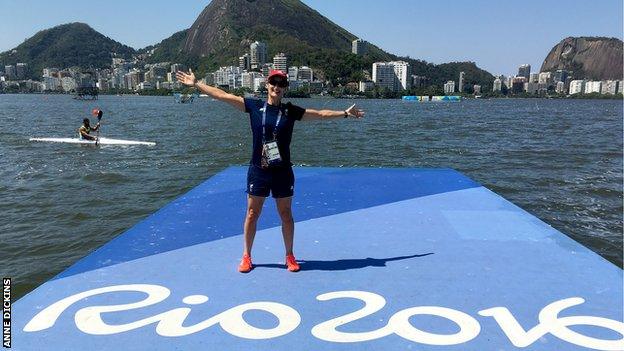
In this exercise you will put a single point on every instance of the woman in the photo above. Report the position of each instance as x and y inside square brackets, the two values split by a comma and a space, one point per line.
[270, 170]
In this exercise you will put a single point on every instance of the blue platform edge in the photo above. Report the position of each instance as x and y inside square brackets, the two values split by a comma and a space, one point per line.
[432, 249]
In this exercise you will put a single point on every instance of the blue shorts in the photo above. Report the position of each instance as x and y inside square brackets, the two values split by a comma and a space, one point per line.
[279, 181]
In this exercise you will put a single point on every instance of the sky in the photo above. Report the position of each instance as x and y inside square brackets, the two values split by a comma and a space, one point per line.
[499, 35]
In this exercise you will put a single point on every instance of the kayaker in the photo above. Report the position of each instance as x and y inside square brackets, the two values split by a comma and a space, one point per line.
[85, 128]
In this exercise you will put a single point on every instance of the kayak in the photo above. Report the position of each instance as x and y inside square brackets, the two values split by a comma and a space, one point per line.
[101, 141]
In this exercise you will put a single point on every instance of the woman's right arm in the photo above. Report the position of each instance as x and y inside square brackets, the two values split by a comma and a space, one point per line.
[189, 79]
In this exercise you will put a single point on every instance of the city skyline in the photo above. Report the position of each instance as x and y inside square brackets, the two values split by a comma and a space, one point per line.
[509, 34]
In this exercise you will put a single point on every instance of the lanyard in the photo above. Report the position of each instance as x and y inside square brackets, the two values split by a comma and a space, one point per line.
[279, 117]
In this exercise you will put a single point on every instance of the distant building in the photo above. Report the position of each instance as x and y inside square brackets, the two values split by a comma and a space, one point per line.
[221, 77]
[117, 78]
[248, 78]
[545, 78]
[68, 84]
[383, 75]
[21, 69]
[560, 75]
[593, 87]
[609, 87]
[266, 68]
[31, 85]
[449, 87]
[178, 67]
[619, 87]
[531, 88]
[156, 73]
[258, 53]
[50, 72]
[534, 78]
[102, 84]
[117, 61]
[209, 79]
[497, 85]
[145, 86]
[165, 85]
[258, 83]
[244, 62]
[403, 72]
[359, 47]
[560, 88]
[171, 77]
[577, 86]
[568, 79]
[508, 81]
[133, 78]
[84, 80]
[503, 79]
[9, 72]
[293, 72]
[476, 89]
[461, 82]
[419, 81]
[51, 83]
[366, 86]
[394, 75]
[280, 62]
[305, 73]
[524, 71]
[517, 84]
[296, 84]
[230, 76]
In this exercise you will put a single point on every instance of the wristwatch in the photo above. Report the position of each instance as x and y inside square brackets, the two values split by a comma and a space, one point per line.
[346, 114]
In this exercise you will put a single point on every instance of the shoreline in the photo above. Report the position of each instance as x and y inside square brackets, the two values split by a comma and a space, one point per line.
[353, 97]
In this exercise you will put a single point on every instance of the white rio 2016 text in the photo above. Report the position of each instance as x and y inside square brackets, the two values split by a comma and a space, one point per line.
[170, 323]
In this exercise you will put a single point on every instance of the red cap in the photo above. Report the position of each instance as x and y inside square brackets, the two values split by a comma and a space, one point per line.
[277, 73]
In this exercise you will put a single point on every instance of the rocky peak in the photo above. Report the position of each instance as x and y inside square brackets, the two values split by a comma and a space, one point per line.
[589, 57]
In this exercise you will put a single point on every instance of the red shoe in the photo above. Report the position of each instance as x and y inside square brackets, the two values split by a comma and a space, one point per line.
[291, 263]
[245, 266]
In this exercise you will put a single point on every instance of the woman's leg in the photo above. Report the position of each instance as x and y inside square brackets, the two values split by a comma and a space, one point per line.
[284, 208]
[254, 207]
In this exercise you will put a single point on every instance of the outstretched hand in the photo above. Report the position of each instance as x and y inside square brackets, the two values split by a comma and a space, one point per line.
[355, 112]
[186, 78]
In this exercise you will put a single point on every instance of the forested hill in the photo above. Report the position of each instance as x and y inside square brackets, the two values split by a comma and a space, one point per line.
[225, 28]
[64, 46]
[223, 32]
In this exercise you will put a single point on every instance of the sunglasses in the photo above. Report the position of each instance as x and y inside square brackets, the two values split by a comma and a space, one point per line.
[278, 82]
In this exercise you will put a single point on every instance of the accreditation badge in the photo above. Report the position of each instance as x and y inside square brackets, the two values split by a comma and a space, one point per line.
[270, 154]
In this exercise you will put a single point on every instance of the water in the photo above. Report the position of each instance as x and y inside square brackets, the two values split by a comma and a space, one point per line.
[559, 160]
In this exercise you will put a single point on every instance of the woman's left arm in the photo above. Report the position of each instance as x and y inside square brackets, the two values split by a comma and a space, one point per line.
[325, 114]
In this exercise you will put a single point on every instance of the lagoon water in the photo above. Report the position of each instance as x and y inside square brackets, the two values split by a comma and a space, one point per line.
[560, 160]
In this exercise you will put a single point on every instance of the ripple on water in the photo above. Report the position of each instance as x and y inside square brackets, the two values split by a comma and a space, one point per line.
[108, 178]
[561, 162]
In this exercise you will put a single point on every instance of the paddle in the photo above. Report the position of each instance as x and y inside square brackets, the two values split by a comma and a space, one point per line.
[99, 114]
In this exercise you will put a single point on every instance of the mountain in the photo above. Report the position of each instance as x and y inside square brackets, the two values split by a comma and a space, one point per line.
[229, 26]
[67, 45]
[225, 28]
[594, 58]
[223, 32]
